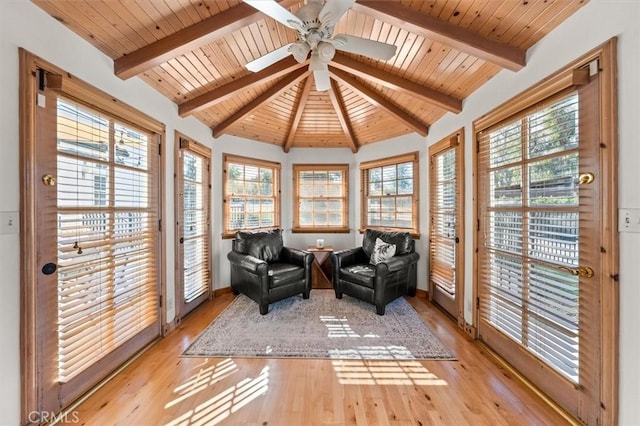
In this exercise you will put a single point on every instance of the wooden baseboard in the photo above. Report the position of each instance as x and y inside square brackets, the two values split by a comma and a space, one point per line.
[221, 291]
[422, 293]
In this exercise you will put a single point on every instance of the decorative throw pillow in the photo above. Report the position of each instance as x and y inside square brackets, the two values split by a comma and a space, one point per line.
[382, 251]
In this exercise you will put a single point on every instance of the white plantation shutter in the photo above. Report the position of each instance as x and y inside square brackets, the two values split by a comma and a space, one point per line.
[528, 170]
[107, 227]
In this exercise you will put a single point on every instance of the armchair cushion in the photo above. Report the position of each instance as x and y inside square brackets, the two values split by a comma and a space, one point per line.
[402, 240]
[264, 245]
[284, 273]
[382, 251]
[360, 274]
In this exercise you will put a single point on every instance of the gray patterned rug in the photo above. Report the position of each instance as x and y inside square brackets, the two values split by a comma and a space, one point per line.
[319, 327]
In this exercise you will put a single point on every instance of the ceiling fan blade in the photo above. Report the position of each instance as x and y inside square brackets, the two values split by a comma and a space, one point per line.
[269, 59]
[333, 11]
[277, 12]
[321, 78]
[364, 46]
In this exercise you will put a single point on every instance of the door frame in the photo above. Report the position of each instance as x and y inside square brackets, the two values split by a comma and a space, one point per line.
[608, 266]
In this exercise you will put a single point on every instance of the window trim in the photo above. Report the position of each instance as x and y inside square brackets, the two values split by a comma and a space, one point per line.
[344, 228]
[248, 161]
[415, 202]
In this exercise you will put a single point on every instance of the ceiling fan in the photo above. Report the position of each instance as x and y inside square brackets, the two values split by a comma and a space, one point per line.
[314, 23]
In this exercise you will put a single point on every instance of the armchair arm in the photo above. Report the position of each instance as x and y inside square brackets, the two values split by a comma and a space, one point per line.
[296, 256]
[349, 257]
[248, 263]
[396, 263]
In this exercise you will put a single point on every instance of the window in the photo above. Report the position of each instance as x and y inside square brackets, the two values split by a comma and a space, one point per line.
[251, 194]
[321, 197]
[390, 194]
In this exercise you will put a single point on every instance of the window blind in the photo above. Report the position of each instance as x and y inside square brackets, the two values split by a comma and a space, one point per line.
[195, 226]
[442, 236]
[106, 236]
[528, 168]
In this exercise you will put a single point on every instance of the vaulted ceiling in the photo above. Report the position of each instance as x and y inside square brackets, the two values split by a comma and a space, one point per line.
[195, 51]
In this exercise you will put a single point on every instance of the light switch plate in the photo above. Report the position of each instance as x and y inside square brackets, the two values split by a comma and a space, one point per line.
[9, 223]
[629, 220]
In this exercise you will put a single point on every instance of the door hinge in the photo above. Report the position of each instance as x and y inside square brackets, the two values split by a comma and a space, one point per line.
[159, 224]
[477, 303]
[478, 225]
[159, 149]
[160, 301]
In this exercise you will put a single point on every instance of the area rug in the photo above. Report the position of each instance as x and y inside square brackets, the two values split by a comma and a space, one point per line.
[319, 327]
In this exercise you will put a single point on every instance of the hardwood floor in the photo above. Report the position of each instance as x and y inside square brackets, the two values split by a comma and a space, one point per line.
[161, 388]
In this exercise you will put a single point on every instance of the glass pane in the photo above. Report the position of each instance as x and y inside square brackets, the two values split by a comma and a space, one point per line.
[267, 205]
[336, 177]
[335, 205]
[320, 190]
[236, 211]
[404, 204]
[130, 188]
[405, 171]
[320, 206]
[374, 204]
[389, 173]
[335, 190]
[82, 183]
[506, 187]
[505, 145]
[306, 205]
[82, 132]
[505, 231]
[375, 174]
[335, 219]
[375, 189]
[554, 129]
[389, 188]
[405, 186]
[553, 237]
[388, 204]
[321, 219]
[305, 177]
[320, 177]
[131, 147]
[306, 190]
[403, 220]
[306, 219]
[235, 171]
[446, 165]
[553, 181]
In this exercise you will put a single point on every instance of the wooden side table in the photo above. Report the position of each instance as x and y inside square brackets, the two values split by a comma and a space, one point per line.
[322, 267]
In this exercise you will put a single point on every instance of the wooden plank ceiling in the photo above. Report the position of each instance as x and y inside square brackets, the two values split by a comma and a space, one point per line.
[194, 52]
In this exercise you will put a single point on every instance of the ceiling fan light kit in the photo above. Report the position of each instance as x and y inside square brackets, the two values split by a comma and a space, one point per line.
[314, 22]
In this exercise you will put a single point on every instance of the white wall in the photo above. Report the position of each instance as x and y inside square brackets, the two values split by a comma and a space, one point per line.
[24, 25]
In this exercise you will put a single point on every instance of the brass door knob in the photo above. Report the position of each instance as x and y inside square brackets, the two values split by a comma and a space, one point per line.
[49, 180]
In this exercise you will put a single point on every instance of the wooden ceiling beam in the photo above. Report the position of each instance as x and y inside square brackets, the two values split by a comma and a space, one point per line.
[292, 78]
[394, 82]
[188, 39]
[299, 108]
[376, 99]
[430, 27]
[223, 93]
[343, 115]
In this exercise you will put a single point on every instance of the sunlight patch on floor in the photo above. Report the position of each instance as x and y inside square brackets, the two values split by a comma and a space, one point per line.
[339, 327]
[361, 372]
[202, 379]
[229, 401]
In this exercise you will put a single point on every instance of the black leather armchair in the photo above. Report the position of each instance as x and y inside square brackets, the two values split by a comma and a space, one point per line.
[266, 271]
[378, 284]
